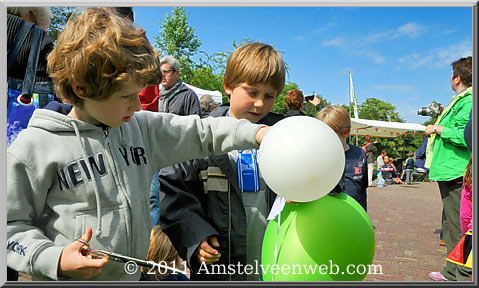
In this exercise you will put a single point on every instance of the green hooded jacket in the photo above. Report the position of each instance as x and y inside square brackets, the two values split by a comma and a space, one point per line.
[447, 154]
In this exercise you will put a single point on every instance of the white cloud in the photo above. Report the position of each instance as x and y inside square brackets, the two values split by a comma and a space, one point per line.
[447, 55]
[378, 59]
[333, 42]
[411, 30]
[374, 37]
[311, 34]
[325, 27]
[438, 57]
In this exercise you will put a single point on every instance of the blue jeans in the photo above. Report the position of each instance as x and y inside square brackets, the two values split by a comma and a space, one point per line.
[155, 200]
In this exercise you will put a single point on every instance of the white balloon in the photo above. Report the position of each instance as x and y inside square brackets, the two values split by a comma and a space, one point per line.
[301, 158]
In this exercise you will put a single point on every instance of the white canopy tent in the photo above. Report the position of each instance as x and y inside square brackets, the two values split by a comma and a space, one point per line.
[217, 97]
[376, 128]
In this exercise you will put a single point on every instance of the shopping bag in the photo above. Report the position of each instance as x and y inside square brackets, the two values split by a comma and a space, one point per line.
[462, 253]
[24, 96]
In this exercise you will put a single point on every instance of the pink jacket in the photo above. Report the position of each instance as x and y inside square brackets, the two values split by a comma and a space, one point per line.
[466, 209]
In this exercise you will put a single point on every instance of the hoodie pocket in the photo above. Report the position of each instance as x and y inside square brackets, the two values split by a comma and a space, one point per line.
[113, 236]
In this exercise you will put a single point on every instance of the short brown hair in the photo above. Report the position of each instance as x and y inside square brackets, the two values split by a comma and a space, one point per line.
[102, 52]
[255, 63]
[463, 68]
[410, 154]
[468, 173]
[335, 117]
[294, 99]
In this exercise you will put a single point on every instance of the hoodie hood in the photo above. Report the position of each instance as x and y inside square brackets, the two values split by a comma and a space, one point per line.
[57, 122]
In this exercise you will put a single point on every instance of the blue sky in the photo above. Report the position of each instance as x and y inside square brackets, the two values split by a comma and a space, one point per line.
[399, 55]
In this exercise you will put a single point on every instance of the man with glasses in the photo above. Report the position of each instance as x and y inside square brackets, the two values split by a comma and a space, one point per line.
[172, 96]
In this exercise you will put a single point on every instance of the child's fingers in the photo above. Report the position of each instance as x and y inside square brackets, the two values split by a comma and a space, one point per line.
[214, 241]
[77, 245]
[206, 246]
[207, 255]
[87, 235]
[88, 262]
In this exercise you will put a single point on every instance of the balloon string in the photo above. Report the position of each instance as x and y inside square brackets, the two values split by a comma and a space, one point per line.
[276, 243]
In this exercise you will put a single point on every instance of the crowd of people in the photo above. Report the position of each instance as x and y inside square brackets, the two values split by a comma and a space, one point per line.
[185, 167]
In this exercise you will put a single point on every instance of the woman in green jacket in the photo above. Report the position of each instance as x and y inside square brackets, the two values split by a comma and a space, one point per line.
[447, 156]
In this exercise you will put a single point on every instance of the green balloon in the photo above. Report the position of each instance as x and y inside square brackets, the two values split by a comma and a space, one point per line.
[329, 239]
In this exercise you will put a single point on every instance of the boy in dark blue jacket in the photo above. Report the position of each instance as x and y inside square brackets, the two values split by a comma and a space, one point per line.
[409, 167]
[214, 209]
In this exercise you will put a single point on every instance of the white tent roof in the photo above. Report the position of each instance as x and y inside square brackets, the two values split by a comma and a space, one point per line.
[378, 128]
[217, 97]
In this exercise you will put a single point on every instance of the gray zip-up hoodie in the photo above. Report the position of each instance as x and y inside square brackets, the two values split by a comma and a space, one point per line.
[64, 175]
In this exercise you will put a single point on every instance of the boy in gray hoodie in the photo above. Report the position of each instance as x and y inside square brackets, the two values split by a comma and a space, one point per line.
[89, 172]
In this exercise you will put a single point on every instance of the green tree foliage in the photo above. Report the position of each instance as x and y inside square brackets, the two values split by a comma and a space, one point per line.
[60, 18]
[430, 121]
[178, 39]
[376, 109]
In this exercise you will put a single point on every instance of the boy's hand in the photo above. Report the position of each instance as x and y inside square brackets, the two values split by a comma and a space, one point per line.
[260, 133]
[76, 263]
[206, 253]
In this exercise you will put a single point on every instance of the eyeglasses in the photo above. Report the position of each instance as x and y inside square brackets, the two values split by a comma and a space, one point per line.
[166, 71]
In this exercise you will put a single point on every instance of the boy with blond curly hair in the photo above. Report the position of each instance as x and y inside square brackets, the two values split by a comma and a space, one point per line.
[97, 178]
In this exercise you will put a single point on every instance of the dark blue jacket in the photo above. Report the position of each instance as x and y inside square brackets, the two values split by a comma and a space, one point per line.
[421, 156]
[356, 175]
[202, 198]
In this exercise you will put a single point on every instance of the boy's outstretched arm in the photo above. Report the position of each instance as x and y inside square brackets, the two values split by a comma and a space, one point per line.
[75, 264]
[191, 137]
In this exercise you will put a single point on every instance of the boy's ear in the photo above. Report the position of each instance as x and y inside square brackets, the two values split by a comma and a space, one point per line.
[227, 89]
[80, 90]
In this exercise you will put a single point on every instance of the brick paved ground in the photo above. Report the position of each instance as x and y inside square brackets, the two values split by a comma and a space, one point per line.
[407, 219]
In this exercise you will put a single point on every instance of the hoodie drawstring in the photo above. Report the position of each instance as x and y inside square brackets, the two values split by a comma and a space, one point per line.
[97, 193]
[122, 138]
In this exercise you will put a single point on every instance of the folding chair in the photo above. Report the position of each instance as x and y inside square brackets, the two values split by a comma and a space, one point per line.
[420, 175]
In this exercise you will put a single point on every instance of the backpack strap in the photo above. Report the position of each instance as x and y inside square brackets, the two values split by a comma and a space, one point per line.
[31, 71]
[20, 37]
